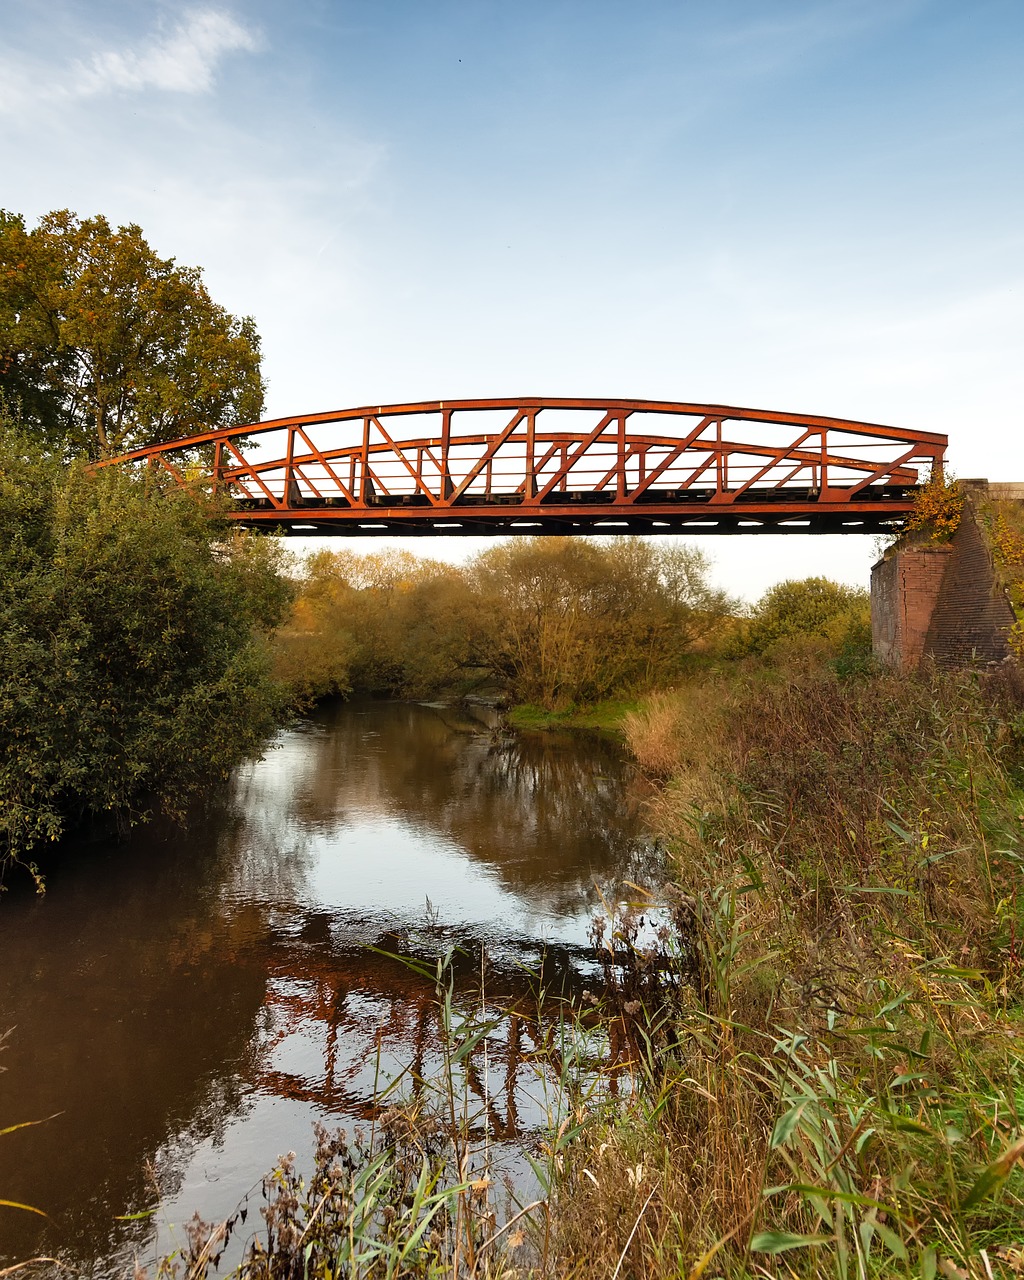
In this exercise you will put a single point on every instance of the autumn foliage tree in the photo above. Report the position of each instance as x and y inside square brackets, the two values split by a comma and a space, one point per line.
[571, 620]
[385, 623]
[105, 346]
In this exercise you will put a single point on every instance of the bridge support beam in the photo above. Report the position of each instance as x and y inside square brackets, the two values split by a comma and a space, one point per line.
[905, 587]
[943, 603]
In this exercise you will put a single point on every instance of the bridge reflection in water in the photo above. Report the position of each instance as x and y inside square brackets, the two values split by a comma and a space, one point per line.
[343, 1018]
[219, 985]
[557, 466]
[357, 1033]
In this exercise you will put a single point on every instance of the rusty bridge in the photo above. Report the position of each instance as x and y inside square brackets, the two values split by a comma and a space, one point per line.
[556, 466]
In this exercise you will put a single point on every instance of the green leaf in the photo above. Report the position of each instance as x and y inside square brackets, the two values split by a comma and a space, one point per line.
[892, 1241]
[900, 831]
[904, 1124]
[786, 1124]
[993, 1175]
[865, 888]
[829, 1193]
[781, 1241]
[471, 1042]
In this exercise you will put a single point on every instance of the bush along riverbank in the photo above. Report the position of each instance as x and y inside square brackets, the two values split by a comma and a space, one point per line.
[135, 668]
[814, 1071]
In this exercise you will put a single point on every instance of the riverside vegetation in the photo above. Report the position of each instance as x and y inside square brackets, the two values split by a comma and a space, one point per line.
[823, 1049]
[136, 665]
[134, 657]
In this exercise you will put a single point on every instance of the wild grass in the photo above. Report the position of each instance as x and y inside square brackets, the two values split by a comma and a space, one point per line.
[607, 715]
[844, 1087]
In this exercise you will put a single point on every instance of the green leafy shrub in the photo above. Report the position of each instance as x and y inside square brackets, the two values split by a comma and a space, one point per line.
[814, 617]
[133, 665]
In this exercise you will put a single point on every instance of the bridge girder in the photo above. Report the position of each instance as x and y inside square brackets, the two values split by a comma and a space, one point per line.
[556, 466]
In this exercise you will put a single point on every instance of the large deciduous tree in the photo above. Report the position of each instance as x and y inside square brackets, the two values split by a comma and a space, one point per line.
[105, 346]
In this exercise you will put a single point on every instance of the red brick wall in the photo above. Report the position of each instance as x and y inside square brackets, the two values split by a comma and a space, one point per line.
[972, 617]
[941, 602]
[905, 588]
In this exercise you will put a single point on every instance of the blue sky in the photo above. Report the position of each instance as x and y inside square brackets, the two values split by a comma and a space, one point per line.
[807, 205]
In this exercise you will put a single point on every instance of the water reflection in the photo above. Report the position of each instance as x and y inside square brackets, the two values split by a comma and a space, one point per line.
[189, 1004]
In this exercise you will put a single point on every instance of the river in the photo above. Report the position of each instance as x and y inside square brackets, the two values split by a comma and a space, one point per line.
[184, 1005]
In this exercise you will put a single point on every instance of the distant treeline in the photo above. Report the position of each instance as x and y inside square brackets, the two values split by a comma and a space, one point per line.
[554, 621]
[557, 622]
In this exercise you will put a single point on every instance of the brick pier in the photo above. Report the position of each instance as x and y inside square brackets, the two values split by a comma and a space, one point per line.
[944, 602]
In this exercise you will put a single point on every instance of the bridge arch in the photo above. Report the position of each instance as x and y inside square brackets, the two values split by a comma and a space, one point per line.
[534, 466]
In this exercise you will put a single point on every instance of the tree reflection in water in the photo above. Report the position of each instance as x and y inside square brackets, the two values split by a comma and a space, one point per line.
[189, 1001]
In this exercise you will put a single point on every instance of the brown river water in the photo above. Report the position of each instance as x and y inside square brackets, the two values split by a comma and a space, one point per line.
[185, 1005]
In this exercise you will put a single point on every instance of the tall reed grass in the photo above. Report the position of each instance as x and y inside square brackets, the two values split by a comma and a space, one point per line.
[843, 1091]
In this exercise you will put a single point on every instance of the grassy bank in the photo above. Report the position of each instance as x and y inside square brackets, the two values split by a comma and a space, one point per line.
[815, 1071]
[608, 716]
[840, 1088]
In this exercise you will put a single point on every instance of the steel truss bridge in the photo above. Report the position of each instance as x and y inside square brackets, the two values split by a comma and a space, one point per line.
[556, 466]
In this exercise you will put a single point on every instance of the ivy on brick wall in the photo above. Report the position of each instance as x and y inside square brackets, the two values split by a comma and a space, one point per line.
[1004, 527]
[937, 510]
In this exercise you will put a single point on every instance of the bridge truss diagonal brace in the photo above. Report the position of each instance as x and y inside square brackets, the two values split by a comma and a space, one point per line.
[488, 455]
[570, 460]
[890, 468]
[774, 460]
[248, 469]
[399, 452]
[672, 457]
[318, 454]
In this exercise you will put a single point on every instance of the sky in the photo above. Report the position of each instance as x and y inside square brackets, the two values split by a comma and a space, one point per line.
[803, 205]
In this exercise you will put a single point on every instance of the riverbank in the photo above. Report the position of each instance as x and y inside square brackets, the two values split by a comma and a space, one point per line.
[841, 1092]
[607, 716]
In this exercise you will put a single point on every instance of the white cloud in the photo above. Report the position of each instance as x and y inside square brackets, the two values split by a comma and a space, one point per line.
[780, 38]
[184, 59]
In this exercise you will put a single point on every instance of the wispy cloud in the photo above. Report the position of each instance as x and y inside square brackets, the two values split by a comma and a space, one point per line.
[779, 38]
[183, 59]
